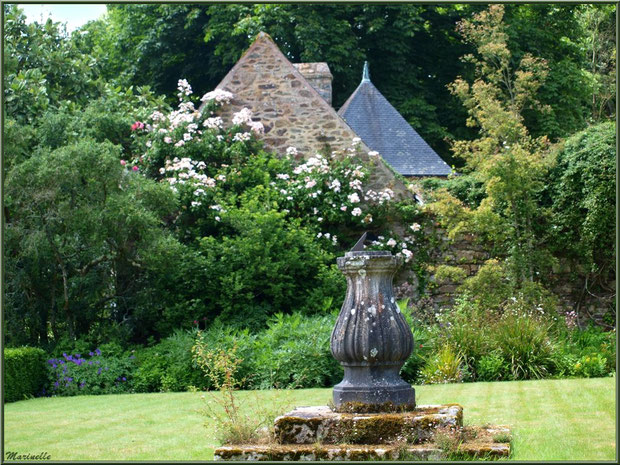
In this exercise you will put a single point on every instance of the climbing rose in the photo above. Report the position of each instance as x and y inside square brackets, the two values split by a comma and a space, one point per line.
[219, 95]
[354, 198]
[137, 125]
[242, 116]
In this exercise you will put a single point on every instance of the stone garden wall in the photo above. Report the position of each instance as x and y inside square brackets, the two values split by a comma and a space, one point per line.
[567, 281]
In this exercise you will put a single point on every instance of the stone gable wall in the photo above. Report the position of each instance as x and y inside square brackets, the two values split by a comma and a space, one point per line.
[292, 111]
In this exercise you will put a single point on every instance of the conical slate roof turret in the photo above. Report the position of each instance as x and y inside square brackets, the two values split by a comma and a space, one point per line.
[384, 130]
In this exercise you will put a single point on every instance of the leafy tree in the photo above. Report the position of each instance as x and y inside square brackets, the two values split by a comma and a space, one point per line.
[505, 157]
[42, 67]
[79, 227]
[598, 41]
[551, 32]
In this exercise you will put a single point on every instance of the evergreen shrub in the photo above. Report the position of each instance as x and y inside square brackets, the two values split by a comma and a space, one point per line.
[25, 373]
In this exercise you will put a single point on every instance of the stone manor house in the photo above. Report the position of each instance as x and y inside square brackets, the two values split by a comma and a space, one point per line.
[293, 101]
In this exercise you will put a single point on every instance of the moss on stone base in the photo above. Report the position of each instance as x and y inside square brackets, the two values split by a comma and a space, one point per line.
[357, 452]
[308, 425]
[386, 407]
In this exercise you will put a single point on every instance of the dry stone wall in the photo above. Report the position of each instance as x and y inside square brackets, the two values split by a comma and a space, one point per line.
[567, 281]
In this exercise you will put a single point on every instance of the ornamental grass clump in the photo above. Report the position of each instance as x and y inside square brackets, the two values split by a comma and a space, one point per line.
[525, 345]
[446, 367]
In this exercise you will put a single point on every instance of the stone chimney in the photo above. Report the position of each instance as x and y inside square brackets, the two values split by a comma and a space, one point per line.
[319, 77]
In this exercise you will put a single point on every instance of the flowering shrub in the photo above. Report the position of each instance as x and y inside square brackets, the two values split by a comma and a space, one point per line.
[266, 226]
[91, 374]
[205, 163]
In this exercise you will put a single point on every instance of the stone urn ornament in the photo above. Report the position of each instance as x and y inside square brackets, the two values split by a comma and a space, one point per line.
[371, 338]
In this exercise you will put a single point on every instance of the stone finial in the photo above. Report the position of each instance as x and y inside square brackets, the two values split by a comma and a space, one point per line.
[366, 73]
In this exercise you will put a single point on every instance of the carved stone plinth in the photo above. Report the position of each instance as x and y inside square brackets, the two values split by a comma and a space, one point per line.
[309, 425]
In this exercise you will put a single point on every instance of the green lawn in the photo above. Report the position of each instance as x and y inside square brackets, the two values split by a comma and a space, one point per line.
[571, 419]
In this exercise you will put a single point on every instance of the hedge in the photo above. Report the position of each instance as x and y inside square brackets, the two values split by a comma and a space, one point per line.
[25, 373]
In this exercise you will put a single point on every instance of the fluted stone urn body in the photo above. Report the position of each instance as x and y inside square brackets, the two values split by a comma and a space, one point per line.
[371, 338]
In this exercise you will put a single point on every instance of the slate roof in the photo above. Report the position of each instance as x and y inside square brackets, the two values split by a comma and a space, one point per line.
[384, 130]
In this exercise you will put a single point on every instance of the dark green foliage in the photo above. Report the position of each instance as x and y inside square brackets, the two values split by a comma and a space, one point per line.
[583, 190]
[25, 373]
[79, 230]
[42, 67]
[294, 352]
[168, 366]
[265, 265]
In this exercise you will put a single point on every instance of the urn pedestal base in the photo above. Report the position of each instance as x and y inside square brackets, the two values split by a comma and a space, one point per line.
[367, 388]
[354, 399]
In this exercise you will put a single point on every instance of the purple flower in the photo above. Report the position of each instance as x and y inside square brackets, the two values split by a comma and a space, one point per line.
[99, 371]
[132, 357]
[97, 351]
[62, 362]
[56, 384]
[124, 379]
[78, 355]
[68, 379]
[82, 384]
[90, 362]
[91, 353]
[106, 368]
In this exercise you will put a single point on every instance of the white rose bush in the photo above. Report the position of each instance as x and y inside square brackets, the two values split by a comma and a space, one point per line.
[215, 169]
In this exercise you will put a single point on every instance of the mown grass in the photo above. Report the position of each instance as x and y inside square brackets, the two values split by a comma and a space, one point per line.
[573, 419]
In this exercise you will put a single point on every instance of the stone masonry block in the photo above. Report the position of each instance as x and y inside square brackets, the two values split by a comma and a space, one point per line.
[308, 425]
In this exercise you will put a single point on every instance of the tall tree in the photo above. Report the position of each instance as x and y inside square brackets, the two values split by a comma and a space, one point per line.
[509, 161]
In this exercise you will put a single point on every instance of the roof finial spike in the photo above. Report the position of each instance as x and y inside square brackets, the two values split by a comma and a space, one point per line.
[366, 73]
